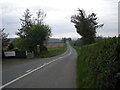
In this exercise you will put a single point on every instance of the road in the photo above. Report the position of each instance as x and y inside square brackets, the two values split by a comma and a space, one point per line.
[54, 72]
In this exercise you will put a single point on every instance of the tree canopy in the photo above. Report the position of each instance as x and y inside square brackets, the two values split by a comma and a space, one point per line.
[37, 35]
[33, 32]
[26, 24]
[86, 26]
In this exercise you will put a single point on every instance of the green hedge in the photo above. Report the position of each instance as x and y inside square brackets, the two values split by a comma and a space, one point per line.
[20, 54]
[98, 64]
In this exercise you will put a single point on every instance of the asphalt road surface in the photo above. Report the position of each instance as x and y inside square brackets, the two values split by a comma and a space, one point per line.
[54, 72]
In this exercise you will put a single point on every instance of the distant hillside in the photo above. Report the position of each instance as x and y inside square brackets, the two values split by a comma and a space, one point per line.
[51, 40]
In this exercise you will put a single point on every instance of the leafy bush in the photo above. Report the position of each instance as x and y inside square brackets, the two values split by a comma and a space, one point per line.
[99, 64]
[10, 47]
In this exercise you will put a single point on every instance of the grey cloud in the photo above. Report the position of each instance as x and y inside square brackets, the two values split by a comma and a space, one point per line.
[11, 24]
[12, 13]
[10, 20]
[44, 8]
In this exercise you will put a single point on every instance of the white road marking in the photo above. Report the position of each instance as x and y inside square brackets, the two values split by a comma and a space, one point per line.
[31, 71]
[28, 70]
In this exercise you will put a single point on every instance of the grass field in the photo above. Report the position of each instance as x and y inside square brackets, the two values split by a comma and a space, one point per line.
[98, 65]
[53, 52]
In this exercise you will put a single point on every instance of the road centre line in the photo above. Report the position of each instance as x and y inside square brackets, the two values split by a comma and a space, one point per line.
[31, 71]
[28, 70]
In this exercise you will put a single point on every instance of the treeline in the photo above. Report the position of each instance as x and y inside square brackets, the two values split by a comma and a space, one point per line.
[78, 42]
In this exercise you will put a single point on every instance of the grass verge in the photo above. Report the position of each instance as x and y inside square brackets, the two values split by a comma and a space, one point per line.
[53, 52]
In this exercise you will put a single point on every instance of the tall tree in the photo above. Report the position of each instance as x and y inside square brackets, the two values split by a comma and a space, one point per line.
[37, 36]
[26, 24]
[86, 26]
[64, 39]
[33, 33]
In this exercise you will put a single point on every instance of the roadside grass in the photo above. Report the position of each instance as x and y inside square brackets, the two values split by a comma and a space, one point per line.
[98, 65]
[50, 53]
[83, 76]
[53, 52]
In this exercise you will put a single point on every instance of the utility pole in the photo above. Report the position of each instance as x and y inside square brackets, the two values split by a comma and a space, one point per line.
[119, 19]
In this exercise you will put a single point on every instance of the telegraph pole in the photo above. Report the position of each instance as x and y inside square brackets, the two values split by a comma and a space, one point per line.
[119, 19]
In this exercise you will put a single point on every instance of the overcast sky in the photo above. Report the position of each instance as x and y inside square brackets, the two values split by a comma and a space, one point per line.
[58, 15]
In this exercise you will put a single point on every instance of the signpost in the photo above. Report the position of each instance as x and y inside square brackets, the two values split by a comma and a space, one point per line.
[38, 49]
[10, 53]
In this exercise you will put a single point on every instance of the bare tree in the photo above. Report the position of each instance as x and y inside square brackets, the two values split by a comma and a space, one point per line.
[40, 16]
[3, 37]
